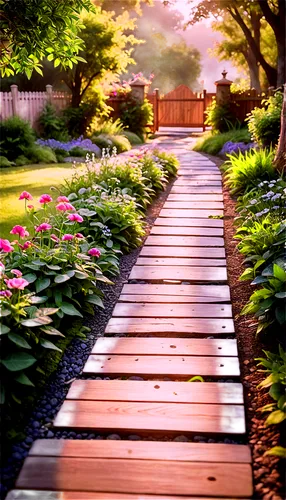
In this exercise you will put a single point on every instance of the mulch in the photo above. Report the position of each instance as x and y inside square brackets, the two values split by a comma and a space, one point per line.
[268, 471]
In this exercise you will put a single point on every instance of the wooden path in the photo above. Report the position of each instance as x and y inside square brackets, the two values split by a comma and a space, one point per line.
[173, 320]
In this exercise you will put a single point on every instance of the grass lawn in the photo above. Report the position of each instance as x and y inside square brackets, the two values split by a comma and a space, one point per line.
[36, 179]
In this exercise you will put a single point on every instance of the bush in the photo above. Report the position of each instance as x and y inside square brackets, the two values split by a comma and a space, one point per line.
[220, 117]
[109, 127]
[132, 138]
[4, 162]
[17, 136]
[136, 116]
[22, 160]
[52, 126]
[264, 123]
[213, 144]
[64, 148]
[167, 161]
[245, 171]
[78, 119]
[121, 143]
[39, 154]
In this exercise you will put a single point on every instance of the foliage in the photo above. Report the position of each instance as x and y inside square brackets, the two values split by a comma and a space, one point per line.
[235, 147]
[4, 162]
[136, 116]
[78, 118]
[52, 126]
[264, 123]
[244, 171]
[110, 127]
[219, 117]
[39, 154]
[32, 30]
[132, 138]
[16, 136]
[213, 144]
[275, 366]
[66, 148]
[168, 162]
[106, 141]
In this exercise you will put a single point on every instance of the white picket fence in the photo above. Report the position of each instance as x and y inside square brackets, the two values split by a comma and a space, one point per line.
[28, 105]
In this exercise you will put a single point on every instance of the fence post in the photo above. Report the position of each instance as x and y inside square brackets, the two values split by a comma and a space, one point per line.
[205, 107]
[138, 89]
[223, 95]
[156, 109]
[49, 90]
[14, 94]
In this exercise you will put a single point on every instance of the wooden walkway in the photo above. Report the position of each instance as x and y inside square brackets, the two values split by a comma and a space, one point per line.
[175, 320]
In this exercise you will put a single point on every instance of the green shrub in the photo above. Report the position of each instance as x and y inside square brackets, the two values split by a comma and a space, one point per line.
[167, 161]
[4, 162]
[220, 117]
[52, 126]
[78, 119]
[212, 144]
[121, 143]
[264, 123]
[245, 171]
[17, 136]
[132, 138]
[77, 151]
[40, 154]
[136, 116]
[102, 141]
[22, 160]
[109, 127]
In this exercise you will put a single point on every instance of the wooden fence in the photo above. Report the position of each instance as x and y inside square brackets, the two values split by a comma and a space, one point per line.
[29, 105]
[243, 103]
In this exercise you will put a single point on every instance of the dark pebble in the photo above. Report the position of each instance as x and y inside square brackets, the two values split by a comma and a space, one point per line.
[134, 437]
[181, 439]
[114, 436]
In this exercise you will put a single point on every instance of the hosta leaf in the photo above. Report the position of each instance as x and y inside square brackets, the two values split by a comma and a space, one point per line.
[30, 277]
[280, 314]
[50, 330]
[38, 300]
[70, 310]
[81, 275]
[17, 339]
[4, 329]
[42, 284]
[280, 295]
[94, 299]
[23, 379]
[279, 273]
[40, 321]
[61, 278]
[49, 345]
[276, 417]
[18, 361]
[4, 312]
[53, 267]
[46, 311]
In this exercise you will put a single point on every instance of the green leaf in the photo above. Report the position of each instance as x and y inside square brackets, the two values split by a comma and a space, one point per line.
[276, 417]
[4, 312]
[53, 267]
[4, 329]
[61, 278]
[30, 277]
[46, 311]
[247, 274]
[275, 391]
[280, 314]
[280, 295]
[23, 379]
[49, 345]
[50, 330]
[38, 300]
[196, 378]
[279, 273]
[42, 284]
[94, 299]
[17, 339]
[70, 310]
[277, 451]
[109, 243]
[18, 361]
[40, 321]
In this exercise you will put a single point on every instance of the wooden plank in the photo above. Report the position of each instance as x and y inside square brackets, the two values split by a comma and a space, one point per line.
[136, 476]
[166, 417]
[195, 197]
[187, 231]
[142, 450]
[173, 261]
[162, 221]
[184, 241]
[87, 495]
[183, 181]
[162, 273]
[177, 212]
[219, 292]
[156, 392]
[176, 347]
[197, 171]
[196, 189]
[200, 252]
[137, 310]
[193, 204]
[168, 299]
[175, 326]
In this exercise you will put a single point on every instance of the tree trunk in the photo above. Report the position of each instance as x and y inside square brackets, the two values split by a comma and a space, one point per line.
[253, 70]
[76, 88]
[281, 64]
[280, 158]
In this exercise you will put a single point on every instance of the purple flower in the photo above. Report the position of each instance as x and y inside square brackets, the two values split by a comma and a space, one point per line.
[85, 144]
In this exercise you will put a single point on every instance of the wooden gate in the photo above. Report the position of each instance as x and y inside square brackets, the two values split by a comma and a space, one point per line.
[180, 108]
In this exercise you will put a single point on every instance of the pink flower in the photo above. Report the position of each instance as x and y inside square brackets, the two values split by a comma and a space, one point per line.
[63, 198]
[65, 206]
[25, 196]
[43, 227]
[94, 252]
[5, 293]
[30, 207]
[18, 283]
[54, 238]
[17, 273]
[2, 265]
[5, 246]
[67, 237]
[20, 230]
[75, 217]
[26, 245]
[45, 198]
[79, 235]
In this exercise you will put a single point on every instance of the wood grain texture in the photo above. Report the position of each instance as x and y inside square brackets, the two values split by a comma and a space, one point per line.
[176, 326]
[195, 197]
[185, 241]
[150, 450]
[133, 310]
[167, 417]
[174, 347]
[175, 222]
[161, 273]
[200, 213]
[87, 495]
[194, 204]
[195, 189]
[197, 171]
[172, 261]
[220, 292]
[200, 252]
[155, 392]
[136, 476]
[196, 181]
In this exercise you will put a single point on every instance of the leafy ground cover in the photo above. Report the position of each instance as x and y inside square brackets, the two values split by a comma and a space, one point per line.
[213, 143]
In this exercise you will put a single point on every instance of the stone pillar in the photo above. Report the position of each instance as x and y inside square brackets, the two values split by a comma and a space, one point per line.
[49, 90]
[223, 89]
[138, 89]
[14, 94]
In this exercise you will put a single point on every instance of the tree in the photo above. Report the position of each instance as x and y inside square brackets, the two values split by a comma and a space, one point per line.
[274, 12]
[280, 157]
[31, 30]
[107, 53]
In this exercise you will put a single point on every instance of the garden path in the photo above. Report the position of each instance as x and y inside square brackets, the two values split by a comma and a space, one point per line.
[173, 320]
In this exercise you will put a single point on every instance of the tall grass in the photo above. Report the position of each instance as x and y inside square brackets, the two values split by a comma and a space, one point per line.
[212, 144]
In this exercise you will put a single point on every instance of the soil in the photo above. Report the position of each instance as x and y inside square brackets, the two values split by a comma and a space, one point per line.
[268, 471]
